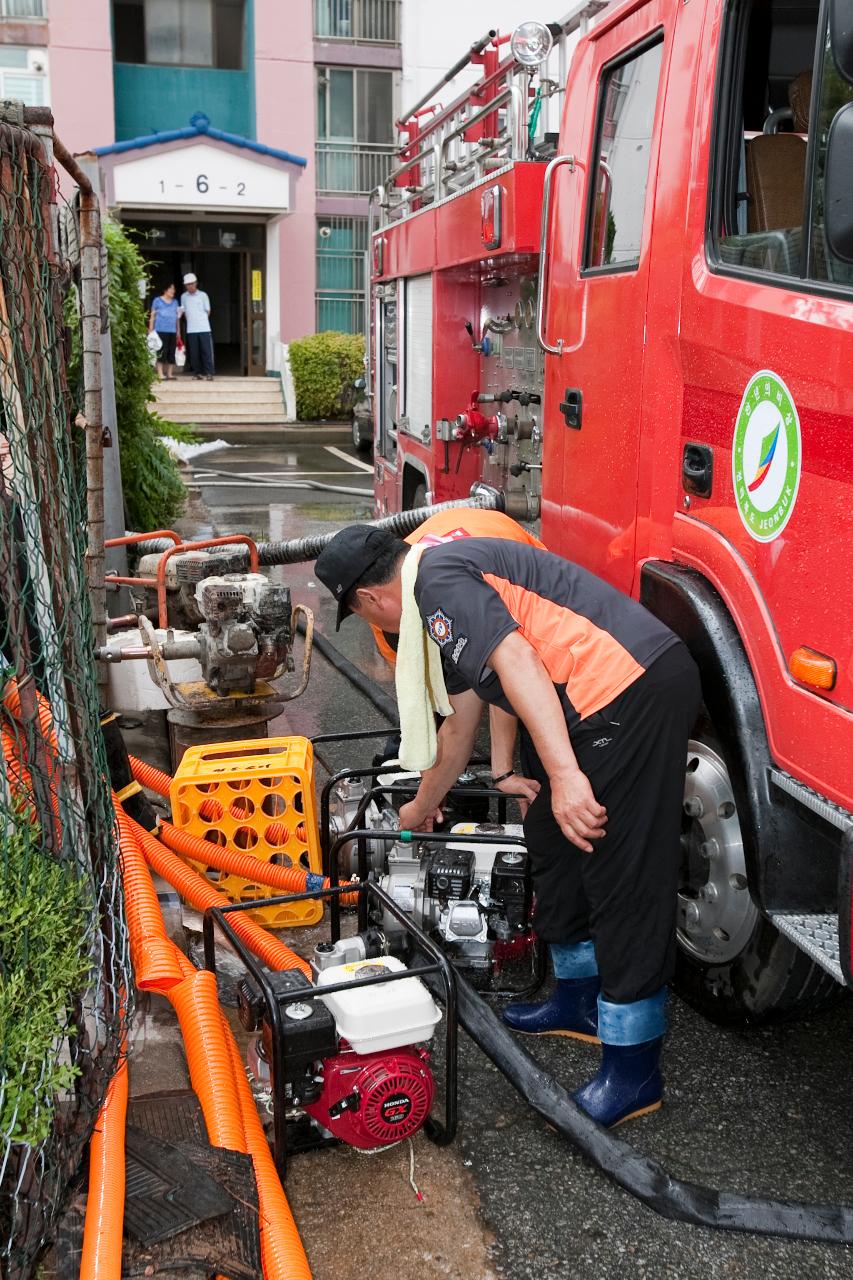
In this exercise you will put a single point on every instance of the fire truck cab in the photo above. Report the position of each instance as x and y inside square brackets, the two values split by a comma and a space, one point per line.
[691, 323]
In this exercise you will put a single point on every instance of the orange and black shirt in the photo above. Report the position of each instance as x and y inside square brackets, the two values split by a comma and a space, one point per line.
[450, 526]
[593, 641]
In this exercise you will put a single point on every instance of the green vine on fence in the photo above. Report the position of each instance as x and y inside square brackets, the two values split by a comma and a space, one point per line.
[154, 493]
[43, 967]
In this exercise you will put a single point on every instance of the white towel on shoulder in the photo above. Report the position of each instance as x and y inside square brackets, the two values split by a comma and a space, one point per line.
[419, 678]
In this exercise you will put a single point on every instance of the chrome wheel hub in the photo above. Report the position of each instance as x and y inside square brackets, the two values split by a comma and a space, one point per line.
[716, 915]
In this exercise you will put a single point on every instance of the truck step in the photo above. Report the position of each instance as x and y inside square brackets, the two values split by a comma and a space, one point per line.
[817, 935]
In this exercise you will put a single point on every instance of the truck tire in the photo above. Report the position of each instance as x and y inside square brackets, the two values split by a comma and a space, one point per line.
[732, 964]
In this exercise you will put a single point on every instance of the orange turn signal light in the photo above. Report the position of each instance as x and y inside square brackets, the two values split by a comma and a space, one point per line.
[813, 668]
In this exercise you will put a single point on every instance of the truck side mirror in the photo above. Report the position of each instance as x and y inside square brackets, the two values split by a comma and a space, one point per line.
[838, 184]
[841, 36]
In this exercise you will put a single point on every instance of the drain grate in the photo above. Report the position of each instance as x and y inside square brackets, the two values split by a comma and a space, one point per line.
[191, 1210]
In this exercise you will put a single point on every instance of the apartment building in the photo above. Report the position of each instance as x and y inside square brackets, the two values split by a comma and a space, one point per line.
[240, 139]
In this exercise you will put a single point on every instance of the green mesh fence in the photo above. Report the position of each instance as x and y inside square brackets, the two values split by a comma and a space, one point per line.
[64, 966]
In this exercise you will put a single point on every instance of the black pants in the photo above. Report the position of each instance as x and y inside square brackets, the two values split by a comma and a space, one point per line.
[166, 354]
[200, 353]
[624, 894]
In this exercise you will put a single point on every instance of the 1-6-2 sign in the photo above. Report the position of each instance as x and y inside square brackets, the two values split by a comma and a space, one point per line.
[202, 176]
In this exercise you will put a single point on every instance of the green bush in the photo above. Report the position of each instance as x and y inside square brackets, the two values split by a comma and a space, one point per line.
[324, 367]
[153, 490]
[43, 969]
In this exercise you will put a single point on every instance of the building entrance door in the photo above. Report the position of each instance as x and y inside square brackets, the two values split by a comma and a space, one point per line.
[229, 260]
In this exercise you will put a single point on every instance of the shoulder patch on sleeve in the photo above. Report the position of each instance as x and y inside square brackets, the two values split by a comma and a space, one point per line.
[440, 627]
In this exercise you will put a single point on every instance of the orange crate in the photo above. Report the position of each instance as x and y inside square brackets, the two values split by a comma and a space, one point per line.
[258, 798]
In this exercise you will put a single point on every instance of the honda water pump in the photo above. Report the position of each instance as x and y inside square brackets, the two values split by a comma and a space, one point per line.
[355, 1062]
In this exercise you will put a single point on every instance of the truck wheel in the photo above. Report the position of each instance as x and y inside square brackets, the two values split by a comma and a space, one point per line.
[732, 965]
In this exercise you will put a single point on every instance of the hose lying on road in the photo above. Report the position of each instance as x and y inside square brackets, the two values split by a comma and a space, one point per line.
[216, 1071]
[102, 1231]
[636, 1173]
[253, 482]
[357, 679]
[199, 893]
[296, 550]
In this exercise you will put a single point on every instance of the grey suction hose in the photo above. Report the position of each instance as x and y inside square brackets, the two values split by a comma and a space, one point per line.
[640, 1175]
[299, 549]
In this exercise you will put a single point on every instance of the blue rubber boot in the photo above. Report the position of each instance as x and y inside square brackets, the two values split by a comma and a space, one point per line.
[572, 1008]
[628, 1083]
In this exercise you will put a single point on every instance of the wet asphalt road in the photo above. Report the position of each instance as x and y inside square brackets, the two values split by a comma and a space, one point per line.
[764, 1111]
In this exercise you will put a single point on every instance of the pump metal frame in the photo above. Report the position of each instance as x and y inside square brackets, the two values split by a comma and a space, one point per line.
[540, 959]
[438, 965]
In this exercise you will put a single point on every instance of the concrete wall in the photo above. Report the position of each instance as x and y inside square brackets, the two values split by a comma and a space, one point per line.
[81, 72]
[285, 89]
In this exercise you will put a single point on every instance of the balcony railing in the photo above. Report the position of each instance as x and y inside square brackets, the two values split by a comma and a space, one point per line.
[351, 168]
[361, 21]
[21, 8]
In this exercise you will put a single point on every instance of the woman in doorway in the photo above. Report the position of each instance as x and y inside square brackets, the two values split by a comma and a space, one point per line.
[163, 319]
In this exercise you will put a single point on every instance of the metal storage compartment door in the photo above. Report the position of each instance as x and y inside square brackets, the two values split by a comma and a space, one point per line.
[418, 365]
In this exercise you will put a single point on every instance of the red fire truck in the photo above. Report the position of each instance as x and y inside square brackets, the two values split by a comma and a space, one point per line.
[668, 384]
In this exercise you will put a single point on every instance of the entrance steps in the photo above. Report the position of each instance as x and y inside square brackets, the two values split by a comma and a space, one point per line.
[225, 401]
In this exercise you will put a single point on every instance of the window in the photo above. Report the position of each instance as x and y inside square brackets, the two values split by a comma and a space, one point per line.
[626, 114]
[374, 21]
[22, 9]
[355, 129]
[355, 105]
[834, 92]
[341, 249]
[780, 89]
[185, 33]
[23, 75]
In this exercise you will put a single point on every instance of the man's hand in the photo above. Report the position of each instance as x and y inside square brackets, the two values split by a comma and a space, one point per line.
[414, 818]
[525, 790]
[581, 818]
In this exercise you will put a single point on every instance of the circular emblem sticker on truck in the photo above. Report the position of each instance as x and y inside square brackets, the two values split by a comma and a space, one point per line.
[766, 456]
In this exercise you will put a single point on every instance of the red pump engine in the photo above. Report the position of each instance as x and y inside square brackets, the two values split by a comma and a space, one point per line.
[374, 1099]
[353, 1061]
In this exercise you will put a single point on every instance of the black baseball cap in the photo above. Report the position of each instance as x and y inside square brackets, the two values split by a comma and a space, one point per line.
[349, 555]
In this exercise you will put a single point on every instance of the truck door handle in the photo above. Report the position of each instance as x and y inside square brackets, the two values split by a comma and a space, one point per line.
[697, 469]
[572, 407]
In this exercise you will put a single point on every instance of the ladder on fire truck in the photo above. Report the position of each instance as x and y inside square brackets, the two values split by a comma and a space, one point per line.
[512, 113]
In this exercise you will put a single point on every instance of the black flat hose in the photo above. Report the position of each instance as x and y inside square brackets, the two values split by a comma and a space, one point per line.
[298, 549]
[357, 678]
[638, 1174]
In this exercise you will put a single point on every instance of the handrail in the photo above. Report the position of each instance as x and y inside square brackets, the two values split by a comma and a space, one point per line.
[542, 282]
[477, 47]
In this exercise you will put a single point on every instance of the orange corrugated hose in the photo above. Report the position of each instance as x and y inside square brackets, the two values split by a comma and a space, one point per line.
[154, 963]
[12, 703]
[158, 781]
[196, 1003]
[288, 879]
[102, 1233]
[220, 1083]
[282, 1251]
[147, 776]
[201, 895]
